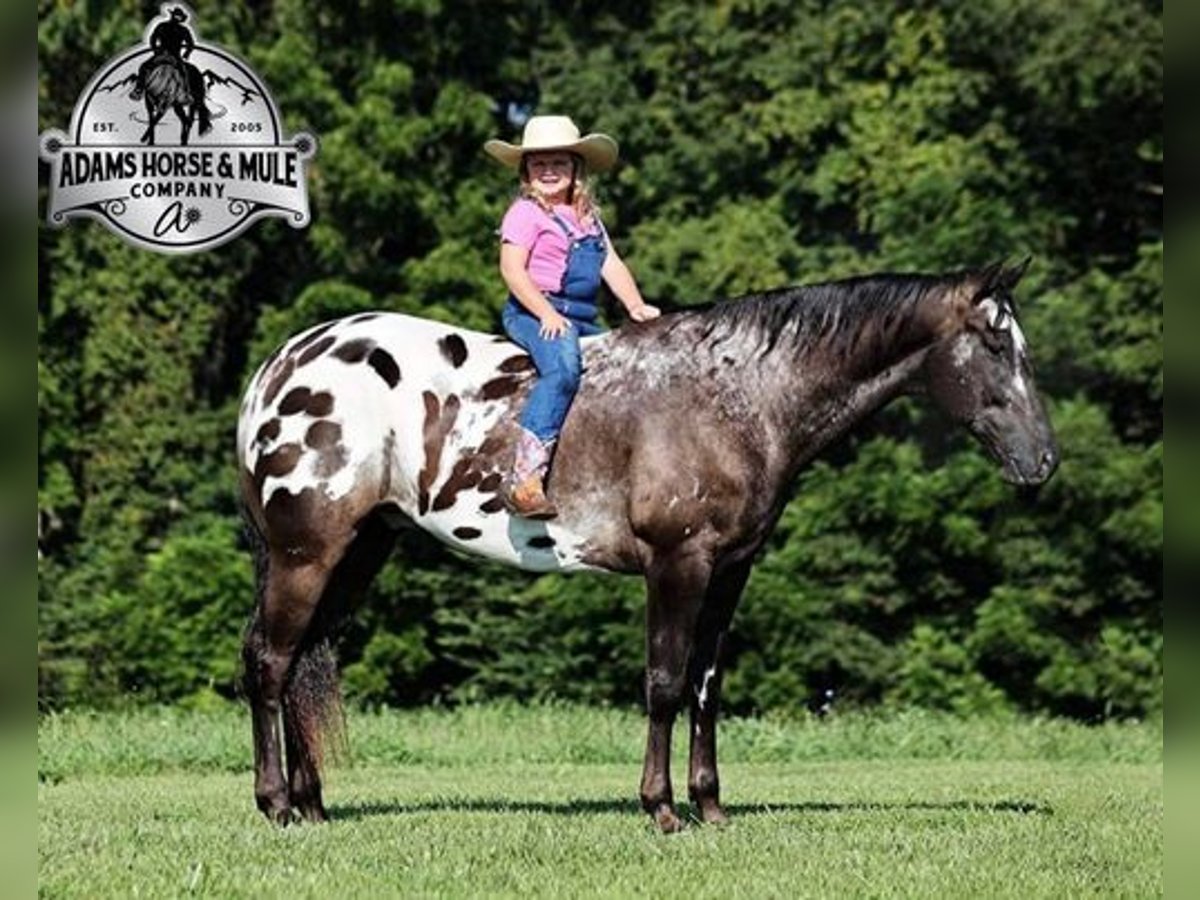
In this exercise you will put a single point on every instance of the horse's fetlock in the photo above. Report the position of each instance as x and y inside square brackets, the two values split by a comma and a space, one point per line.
[704, 785]
[657, 796]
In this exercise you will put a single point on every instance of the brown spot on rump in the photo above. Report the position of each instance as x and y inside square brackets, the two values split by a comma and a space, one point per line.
[466, 533]
[295, 401]
[491, 483]
[439, 419]
[276, 464]
[310, 337]
[268, 432]
[303, 400]
[319, 404]
[355, 350]
[462, 477]
[433, 449]
[500, 387]
[454, 349]
[519, 363]
[323, 434]
[385, 367]
[389, 447]
[492, 444]
[269, 362]
[278, 379]
[315, 350]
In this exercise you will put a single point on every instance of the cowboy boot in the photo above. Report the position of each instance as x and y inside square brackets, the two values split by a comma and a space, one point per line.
[524, 491]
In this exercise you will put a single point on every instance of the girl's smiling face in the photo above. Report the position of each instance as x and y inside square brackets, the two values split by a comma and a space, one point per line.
[550, 174]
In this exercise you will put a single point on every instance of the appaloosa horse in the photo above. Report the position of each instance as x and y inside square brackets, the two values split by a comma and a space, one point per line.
[675, 464]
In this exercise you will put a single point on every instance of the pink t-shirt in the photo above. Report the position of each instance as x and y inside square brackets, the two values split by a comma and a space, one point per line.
[528, 225]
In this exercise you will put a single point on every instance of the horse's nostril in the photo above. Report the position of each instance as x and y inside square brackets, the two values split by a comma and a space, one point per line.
[1048, 463]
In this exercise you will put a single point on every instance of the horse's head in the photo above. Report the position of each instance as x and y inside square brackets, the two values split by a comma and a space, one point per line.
[981, 375]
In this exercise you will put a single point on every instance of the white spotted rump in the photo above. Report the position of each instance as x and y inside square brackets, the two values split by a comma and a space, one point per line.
[416, 406]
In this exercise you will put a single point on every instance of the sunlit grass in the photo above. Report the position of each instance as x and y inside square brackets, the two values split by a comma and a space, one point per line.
[504, 800]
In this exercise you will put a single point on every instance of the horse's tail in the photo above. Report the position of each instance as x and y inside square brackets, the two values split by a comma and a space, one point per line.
[312, 702]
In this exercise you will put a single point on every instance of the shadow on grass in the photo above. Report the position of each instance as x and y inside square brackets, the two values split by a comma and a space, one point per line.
[591, 807]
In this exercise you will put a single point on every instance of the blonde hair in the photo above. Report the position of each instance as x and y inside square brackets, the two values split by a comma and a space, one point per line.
[581, 196]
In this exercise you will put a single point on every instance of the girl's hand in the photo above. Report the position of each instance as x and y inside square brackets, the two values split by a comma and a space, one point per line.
[644, 313]
[553, 325]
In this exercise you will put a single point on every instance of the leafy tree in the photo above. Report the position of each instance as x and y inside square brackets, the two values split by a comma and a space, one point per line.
[763, 142]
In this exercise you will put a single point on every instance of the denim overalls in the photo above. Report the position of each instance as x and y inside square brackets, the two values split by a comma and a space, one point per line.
[558, 359]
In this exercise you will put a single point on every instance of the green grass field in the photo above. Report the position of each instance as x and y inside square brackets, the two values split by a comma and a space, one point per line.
[504, 800]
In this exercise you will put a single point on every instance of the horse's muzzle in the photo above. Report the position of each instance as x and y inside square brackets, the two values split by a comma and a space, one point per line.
[1030, 472]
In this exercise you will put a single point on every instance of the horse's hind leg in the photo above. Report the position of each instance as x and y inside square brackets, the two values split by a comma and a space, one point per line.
[290, 595]
[311, 701]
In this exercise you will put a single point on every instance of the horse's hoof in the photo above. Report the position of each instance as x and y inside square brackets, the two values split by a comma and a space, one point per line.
[667, 820]
[285, 817]
[713, 815]
[281, 815]
[315, 814]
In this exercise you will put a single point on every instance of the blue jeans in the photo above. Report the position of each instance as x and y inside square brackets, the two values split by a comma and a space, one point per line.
[559, 366]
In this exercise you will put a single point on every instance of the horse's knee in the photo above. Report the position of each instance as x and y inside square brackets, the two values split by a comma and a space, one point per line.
[251, 650]
[664, 690]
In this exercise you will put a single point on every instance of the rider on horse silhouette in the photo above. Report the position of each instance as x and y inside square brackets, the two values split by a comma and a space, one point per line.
[171, 42]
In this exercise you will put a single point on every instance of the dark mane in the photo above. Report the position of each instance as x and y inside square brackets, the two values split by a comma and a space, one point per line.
[833, 315]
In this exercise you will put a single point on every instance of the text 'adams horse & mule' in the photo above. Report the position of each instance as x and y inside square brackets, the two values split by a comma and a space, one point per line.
[675, 464]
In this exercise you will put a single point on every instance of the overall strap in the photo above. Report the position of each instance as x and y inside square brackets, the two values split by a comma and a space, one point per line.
[571, 235]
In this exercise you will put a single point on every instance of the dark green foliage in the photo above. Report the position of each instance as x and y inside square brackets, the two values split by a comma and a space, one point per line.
[763, 143]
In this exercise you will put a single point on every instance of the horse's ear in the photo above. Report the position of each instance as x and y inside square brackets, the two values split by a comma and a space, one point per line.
[990, 277]
[1013, 274]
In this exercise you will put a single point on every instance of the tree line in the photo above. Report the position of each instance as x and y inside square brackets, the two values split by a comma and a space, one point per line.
[763, 143]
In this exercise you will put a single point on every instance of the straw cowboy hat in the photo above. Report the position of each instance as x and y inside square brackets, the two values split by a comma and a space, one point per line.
[544, 133]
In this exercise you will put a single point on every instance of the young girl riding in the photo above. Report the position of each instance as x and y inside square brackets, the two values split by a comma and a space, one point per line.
[554, 253]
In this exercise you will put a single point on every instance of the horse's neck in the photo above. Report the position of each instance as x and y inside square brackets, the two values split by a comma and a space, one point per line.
[823, 395]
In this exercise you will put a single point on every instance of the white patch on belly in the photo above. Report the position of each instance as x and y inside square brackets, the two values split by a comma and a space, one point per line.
[506, 538]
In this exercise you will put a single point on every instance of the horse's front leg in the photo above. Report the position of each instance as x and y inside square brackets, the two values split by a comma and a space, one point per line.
[675, 591]
[704, 673]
